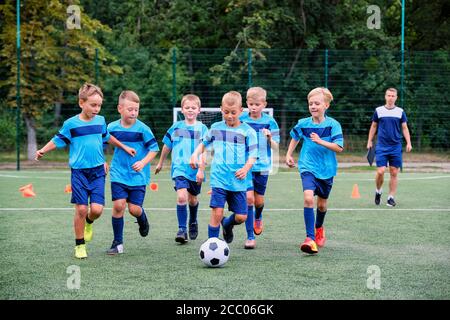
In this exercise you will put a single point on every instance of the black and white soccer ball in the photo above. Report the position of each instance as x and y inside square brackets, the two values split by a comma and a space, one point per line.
[214, 252]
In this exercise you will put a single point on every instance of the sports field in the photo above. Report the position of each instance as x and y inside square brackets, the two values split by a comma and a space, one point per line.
[409, 245]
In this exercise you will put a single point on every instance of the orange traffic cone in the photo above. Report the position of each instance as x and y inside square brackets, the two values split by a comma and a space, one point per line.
[154, 186]
[28, 186]
[355, 192]
[28, 193]
[68, 189]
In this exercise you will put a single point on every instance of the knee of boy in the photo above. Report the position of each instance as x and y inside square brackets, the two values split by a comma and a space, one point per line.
[240, 218]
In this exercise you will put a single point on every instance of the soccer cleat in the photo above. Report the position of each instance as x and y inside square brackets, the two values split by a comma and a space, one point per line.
[116, 248]
[193, 230]
[377, 198]
[309, 246]
[258, 226]
[250, 244]
[227, 232]
[80, 251]
[390, 202]
[144, 227]
[88, 232]
[320, 236]
[181, 237]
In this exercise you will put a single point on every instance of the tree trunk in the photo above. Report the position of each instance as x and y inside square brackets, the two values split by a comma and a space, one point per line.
[31, 137]
[57, 120]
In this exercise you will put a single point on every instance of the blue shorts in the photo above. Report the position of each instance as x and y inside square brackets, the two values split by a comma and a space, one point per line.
[133, 194]
[191, 186]
[389, 155]
[259, 182]
[237, 200]
[321, 188]
[88, 183]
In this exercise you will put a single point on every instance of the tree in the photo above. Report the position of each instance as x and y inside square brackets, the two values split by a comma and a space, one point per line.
[55, 60]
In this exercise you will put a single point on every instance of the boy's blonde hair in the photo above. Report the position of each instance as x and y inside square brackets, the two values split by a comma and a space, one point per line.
[191, 97]
[128, 95]
[232, 98]
[256, 93]
[87, 90]
[327, 96]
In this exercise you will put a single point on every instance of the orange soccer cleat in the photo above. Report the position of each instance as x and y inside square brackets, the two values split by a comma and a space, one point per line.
[258, 226]
[320, 236]
[309, 246]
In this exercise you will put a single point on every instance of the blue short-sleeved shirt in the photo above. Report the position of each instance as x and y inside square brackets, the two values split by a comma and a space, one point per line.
[85, 140]
[232, 148]
[314, 158]
[264, 160]
[139, 137]
[389, 126]
[183, 139]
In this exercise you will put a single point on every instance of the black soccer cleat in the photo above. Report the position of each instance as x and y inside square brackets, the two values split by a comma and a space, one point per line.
[227, 232]
[377, 198]
[144, 227]
[391, 202]
[181, 237]
[193, 230]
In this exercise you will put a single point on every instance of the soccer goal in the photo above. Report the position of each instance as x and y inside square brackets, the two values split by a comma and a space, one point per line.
[209, 115]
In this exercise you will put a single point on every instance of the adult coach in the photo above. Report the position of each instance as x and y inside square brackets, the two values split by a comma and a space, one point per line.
[390, 121]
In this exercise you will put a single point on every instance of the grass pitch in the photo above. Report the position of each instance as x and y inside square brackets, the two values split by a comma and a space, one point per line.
[408, 244]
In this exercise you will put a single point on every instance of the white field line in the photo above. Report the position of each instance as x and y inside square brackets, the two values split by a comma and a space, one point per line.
[271, 178]
[265, 209]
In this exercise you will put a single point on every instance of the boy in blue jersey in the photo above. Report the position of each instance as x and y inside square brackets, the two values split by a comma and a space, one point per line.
[85, 134]
[391, 122]
[182, 139]
[268, 135]
[235, 151]
[322, 138]
[130, 176]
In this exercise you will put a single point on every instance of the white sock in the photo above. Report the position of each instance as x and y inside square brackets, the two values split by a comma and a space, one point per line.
[390, 197]
[379, 191]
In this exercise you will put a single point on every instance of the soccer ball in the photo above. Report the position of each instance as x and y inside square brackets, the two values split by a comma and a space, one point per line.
[214, 252]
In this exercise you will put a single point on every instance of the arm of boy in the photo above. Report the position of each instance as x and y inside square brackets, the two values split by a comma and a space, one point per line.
[140, 164]
[289, 158]
[329, 145]
[164, 153]
[48, 147]
[242, 172]
[194, 162]
[268, 134]
[201, 169]
[112, 140]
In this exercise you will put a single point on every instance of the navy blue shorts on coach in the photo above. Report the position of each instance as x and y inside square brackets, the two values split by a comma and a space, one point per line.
[88, 183]
[133, 194]
[321, 188]
[259, 182]
[390, 155]
[237, 200]
[191, 186]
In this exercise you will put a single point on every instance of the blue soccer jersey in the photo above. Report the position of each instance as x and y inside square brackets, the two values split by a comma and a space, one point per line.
[232, 148]
[389, 126]
[264, 160]
[183, 139]
[85, 140]
[314, 158]
[139, 137]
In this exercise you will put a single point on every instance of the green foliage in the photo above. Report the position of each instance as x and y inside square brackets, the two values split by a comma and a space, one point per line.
[7, 130]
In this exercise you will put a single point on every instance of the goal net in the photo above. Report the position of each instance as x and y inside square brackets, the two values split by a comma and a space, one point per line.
[209, 115]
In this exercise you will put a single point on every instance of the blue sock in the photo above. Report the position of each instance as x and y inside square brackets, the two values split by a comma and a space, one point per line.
[320, 216]
[117, 224]
[229, 221]
[249, 223]
[182, 216]
[213, 232]
[308, 214]
[193, 213]
[143, 217]
[258, 212]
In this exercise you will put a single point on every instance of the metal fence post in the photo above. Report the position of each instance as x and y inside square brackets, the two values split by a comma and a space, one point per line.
[174, 77]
